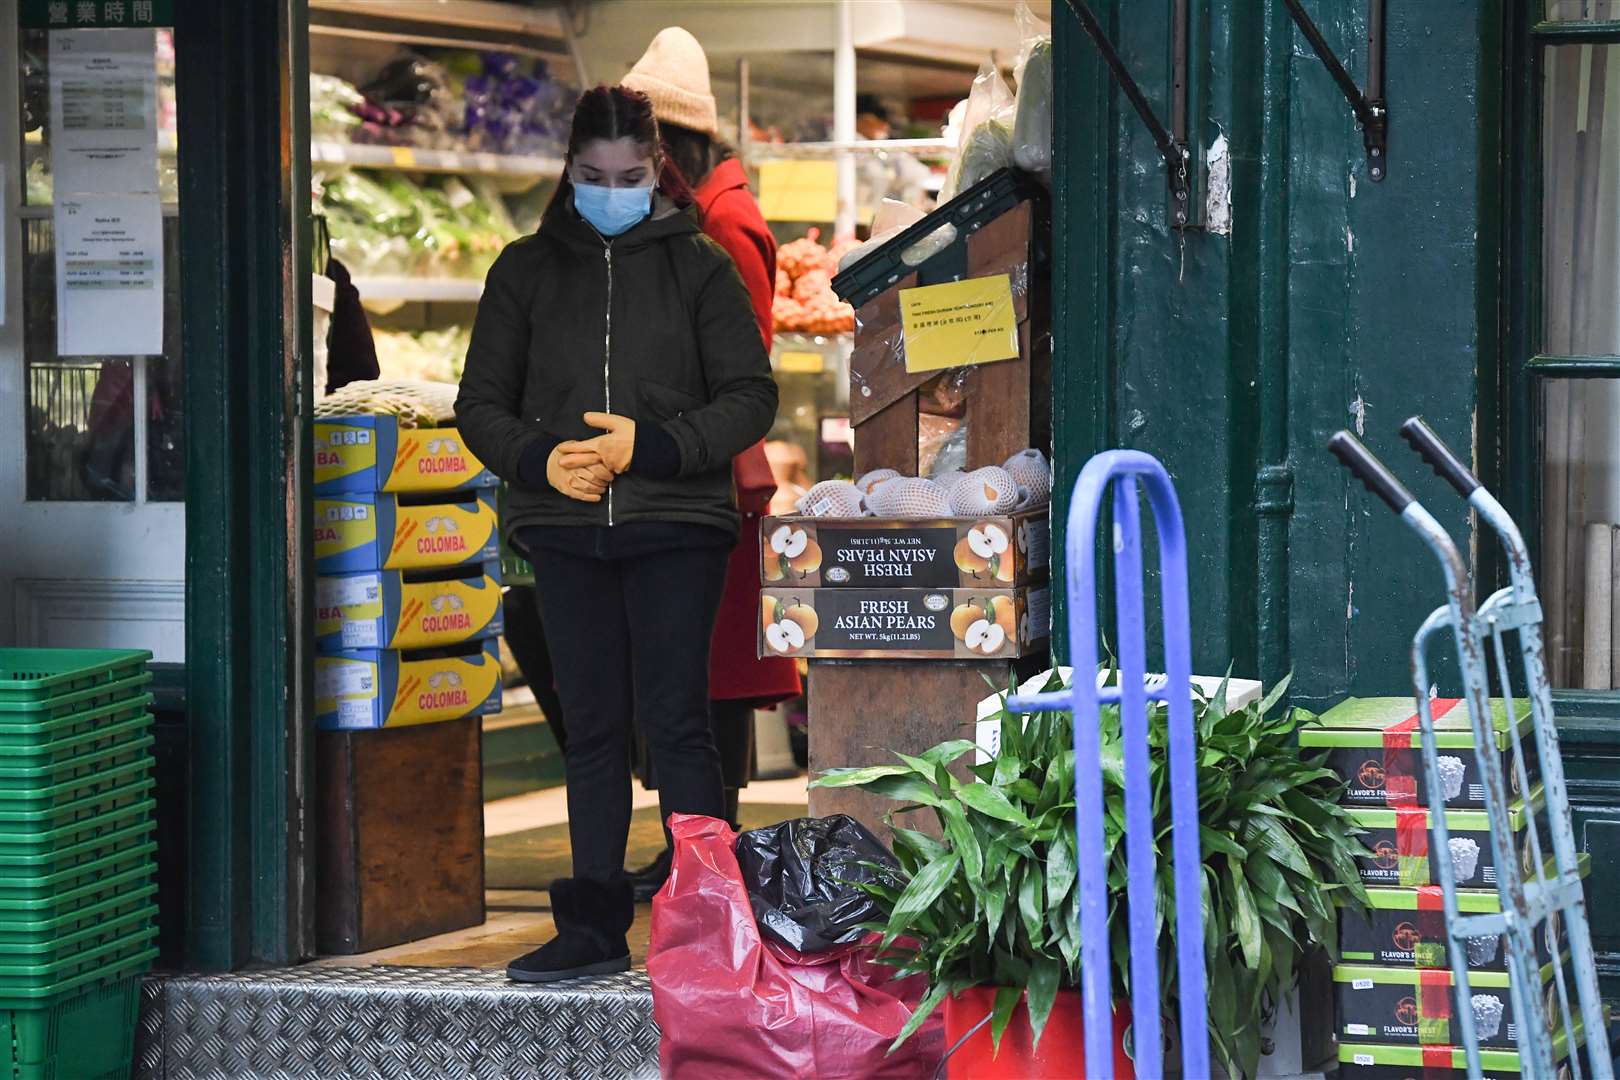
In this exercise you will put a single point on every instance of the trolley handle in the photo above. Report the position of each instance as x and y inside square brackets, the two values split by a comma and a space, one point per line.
[1439, 456]
[1366, 467]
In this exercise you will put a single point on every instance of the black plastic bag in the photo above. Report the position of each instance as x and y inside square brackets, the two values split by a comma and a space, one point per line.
[803, 879]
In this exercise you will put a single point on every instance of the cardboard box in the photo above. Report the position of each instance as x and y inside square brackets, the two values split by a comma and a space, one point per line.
[1418, 1006]
[1406, 927]
[399, 609]
[375, 688]
[1398, 840]
[944, 553]
[1371, 740]
[903, 624]
[374, 531]
[1370, 1061]
[373, 453]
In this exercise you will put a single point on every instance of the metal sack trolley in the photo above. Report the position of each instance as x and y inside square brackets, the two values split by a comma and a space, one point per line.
[1525, 905]
[1124, 470]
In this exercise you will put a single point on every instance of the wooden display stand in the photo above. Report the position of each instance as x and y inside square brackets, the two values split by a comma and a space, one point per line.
[400, 834]
[860, 710]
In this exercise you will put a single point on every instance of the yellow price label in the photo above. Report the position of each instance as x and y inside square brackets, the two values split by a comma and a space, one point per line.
[959, 323]
[801, 363]
[798, 190]
[404, 157]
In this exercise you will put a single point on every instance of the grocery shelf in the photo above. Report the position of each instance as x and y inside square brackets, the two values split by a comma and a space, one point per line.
[420, 290]
[764, 151]
[410, 159]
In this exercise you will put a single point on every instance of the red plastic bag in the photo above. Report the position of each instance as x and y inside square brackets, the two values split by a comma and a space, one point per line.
[734, 1007]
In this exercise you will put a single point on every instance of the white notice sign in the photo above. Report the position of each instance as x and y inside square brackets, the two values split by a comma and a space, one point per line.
[103, 111]
[109, 275]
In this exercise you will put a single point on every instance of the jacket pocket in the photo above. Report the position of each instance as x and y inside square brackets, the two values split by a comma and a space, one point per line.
[662, 403]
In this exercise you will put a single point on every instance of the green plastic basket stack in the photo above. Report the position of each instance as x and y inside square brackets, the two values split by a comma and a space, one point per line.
[78, 897]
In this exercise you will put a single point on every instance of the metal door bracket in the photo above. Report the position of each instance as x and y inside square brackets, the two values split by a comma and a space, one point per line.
[1172, 141]
[1372, 112]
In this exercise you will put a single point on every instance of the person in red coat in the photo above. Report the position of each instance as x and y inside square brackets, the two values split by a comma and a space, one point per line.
[674, 73]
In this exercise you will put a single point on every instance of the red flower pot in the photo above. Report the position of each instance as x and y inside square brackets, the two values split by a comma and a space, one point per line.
[1060, 1056]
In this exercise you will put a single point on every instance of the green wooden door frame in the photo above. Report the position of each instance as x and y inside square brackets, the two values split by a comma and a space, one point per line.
[242, 89]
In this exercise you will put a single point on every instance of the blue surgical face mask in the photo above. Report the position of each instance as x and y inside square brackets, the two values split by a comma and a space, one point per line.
[612, 210]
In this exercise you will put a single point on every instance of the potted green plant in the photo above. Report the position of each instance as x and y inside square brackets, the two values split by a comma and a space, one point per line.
[992, 904]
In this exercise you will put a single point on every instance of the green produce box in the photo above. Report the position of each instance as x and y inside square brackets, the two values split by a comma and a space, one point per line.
[87, 1033]
[28, 723]
[30, 676]
[75, 901]
[109, 759]
[1419, 1006]
[1371, 1061]
[22, 975]
[1397, 840]
[47, 842]
[1371, 740]
[25, 933]
[118, 926]
[16, 887]
[20, 795]
[119, 724]
[133, 834]
[17, 825]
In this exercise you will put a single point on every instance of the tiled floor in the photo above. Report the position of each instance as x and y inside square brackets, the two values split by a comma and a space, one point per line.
[520, 919]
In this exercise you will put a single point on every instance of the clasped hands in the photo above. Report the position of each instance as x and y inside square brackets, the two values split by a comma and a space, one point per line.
[583, 468]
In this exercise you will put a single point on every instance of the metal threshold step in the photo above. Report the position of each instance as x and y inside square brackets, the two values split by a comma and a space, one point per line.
[402, 1023]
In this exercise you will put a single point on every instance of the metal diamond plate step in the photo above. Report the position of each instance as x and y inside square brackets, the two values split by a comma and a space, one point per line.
[399, 1023]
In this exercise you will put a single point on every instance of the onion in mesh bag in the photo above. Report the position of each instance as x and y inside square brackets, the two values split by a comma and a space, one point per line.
[832, 498]
[990, 490]
[1031, 471]
[908, 497]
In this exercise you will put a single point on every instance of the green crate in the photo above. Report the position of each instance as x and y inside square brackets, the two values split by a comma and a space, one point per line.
[28, 675]
[18, 824]
[126, 722]
[107, 760]
[20, 977]
[89, 938]
[15, 886]
[25, 798]
[24, 933]
[24, 725]
[73, 901]
[117, 841]
[88, 1034]
[28, 843]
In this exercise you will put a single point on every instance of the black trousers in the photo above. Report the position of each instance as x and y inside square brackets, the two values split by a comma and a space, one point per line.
[527, 640]
[630, 637]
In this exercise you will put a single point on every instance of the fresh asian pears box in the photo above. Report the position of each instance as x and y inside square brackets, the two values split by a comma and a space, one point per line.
[1001, 552]
[903, 624]
[357, 689]
[373, 453]
[403, 609]
[1375, 745]
[377, 531]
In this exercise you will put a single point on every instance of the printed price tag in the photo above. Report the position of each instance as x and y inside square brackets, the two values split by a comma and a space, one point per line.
[1361, 984]
[959, 323]
[1363, 1059]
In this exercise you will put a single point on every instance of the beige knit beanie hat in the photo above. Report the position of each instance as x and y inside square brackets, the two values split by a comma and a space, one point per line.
[674, 73]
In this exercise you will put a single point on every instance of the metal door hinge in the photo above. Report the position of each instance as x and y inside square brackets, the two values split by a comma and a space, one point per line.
[1372, 111]
[1172, 141]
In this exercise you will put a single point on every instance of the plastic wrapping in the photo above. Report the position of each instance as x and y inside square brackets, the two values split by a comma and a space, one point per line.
[1032, 123]
[803, 878]
[987, 127]
[731, 1005]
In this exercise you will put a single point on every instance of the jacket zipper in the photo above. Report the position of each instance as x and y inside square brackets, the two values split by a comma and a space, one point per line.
[607, 354]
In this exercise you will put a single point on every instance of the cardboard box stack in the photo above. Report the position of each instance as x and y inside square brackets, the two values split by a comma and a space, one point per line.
[1395, 1004]
[408, 594]
[967, 588]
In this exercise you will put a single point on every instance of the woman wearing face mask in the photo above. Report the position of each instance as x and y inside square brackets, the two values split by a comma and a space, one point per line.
[614, 372]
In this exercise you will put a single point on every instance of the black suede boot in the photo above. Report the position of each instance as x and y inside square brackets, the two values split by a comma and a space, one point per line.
[592, 918]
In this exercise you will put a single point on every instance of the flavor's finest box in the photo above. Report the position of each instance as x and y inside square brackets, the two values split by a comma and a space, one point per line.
[903, 624]
[402, 609]
[376, 688]
[1376, 747]
[1419, 1005]
[1406, 927]
[1371, 1061]
[1398, 840]
[373, 453]
[943, 553]
[375, 531]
